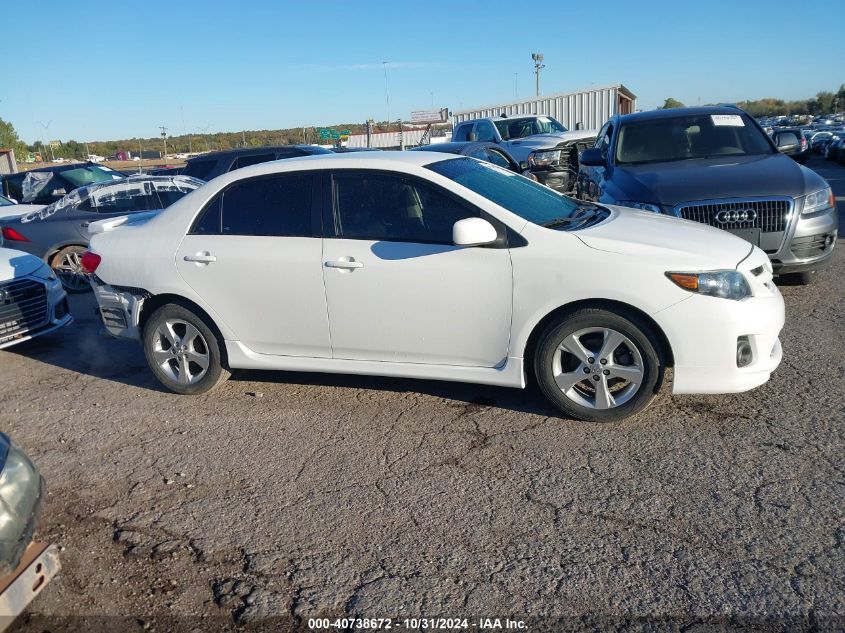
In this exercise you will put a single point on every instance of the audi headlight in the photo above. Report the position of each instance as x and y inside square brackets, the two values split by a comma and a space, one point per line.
[817, 201]
[544, 158]
[644, 206]
[45, 272]
[726, 284]
[20, 501]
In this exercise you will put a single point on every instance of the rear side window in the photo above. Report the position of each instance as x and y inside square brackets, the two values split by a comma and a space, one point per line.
[484, 131]
[279, 206]
[199, 168]
[254, 159]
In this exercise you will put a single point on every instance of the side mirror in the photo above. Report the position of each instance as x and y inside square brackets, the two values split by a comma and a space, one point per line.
[473, 232]
[58, 192]
[523, 165]
[592, 157]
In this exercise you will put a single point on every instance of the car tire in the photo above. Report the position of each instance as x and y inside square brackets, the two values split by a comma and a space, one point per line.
[568, 365]
[68, 268]
[182, 351]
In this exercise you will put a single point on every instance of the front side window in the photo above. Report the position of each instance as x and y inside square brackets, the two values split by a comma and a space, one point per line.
[689, 137]
[376, 206]
[484, 131]
[528, 126]
[604, 141]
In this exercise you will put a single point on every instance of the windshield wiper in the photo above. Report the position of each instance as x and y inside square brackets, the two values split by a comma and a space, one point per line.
[581, 214]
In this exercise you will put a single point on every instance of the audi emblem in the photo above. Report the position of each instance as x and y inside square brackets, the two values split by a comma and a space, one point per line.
[729, 216]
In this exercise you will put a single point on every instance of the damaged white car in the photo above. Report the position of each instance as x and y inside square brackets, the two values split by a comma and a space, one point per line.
[420, 265]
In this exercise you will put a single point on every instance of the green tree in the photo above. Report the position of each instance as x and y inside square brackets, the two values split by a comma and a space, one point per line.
[9, 139]
[671, 103]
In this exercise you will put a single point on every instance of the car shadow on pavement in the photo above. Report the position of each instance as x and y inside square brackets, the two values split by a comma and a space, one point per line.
[528, 400]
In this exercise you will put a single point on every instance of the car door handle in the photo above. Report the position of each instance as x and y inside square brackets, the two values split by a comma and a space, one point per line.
[344, 264]
[200, 258]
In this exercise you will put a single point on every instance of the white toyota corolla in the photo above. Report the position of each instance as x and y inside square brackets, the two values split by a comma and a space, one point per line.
[420, 265]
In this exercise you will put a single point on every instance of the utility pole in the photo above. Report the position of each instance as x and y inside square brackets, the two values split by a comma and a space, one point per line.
[386, 94]
[538, 66]
[185, 129]
[243, 138]
[164, 137]
[43, 147]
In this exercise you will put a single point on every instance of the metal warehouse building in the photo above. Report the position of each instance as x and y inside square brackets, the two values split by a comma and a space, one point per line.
[591, 108]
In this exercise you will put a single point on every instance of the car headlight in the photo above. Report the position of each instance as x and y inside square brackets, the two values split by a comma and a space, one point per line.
[822, 199]
[20, 500]
[544, 158]
[45, 272]
[726, 284]
[644, 206]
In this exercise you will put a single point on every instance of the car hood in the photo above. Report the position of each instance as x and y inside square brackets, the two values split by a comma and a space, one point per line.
[707, 179]
[552, 140]
[17, 264]
[674, 241]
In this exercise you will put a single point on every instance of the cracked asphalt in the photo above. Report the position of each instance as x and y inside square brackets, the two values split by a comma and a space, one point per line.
[285, 496]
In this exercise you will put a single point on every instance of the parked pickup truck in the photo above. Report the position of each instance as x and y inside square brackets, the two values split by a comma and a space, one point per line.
[544, 148]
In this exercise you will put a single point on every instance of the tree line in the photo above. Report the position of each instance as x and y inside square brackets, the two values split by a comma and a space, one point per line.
[823, 103]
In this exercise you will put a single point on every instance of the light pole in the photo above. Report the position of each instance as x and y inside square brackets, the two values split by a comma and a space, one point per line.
[538, 66]
[164, 138]
[43, 147]
[386, 94]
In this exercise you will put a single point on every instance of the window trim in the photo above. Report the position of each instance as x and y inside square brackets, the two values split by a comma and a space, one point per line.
[330, 214]
[316, 204]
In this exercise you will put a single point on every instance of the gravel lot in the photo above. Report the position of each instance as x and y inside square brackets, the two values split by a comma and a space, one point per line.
[288, 496]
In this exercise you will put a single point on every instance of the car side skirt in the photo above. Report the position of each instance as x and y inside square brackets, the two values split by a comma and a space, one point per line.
[509, 374]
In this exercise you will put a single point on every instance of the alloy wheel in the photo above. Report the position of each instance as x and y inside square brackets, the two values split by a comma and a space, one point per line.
[181, 351]
[69, 271]
[598, 368]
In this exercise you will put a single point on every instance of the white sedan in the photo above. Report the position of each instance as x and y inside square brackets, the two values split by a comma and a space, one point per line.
[420, 265]
[32, 301]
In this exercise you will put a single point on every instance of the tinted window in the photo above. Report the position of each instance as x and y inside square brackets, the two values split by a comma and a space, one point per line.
[484, 132]
[279, 206]
[497, 158]
[254, 159]
[387, 207]
[199, 168]
[209, 222]
[13, 186]
[604, 141]
[462, 133]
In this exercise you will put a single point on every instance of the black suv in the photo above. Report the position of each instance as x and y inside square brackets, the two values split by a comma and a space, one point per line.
[45, 185]
[715, 165]
[208, 166]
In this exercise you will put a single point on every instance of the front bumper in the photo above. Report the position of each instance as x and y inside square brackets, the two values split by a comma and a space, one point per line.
[809, 245]
[14, 331]
[703, 333]
[558, 180]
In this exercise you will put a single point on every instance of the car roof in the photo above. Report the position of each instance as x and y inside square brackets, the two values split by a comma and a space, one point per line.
[451, 147]
[240, 151]
[671, 113]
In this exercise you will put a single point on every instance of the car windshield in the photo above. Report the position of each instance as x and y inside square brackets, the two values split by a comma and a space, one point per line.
[89, 174]
[688, 137]
[526, 198]
[528, 126]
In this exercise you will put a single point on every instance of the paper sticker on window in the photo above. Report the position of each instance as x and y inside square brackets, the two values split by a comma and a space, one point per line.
[544, 119]
[730, 120]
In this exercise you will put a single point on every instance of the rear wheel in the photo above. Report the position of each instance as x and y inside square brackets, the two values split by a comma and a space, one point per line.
[182, 351]
[68, 268]
[598, 366]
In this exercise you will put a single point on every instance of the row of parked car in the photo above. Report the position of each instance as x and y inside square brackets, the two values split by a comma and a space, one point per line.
[530, 276]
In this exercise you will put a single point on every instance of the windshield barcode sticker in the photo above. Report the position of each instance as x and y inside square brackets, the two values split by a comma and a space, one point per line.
[732, 120]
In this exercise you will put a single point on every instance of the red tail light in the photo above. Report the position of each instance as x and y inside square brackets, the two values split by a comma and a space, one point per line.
[90, 261]
[12, 235]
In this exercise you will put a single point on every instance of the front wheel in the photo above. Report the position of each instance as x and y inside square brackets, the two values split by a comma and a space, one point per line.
[182, 351]
[597, 365]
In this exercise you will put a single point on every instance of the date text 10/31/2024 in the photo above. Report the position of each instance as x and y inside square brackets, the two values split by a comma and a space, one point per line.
[416, 624]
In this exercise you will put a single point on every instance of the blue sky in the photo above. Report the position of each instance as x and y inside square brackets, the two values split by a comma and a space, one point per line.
[107, 70]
